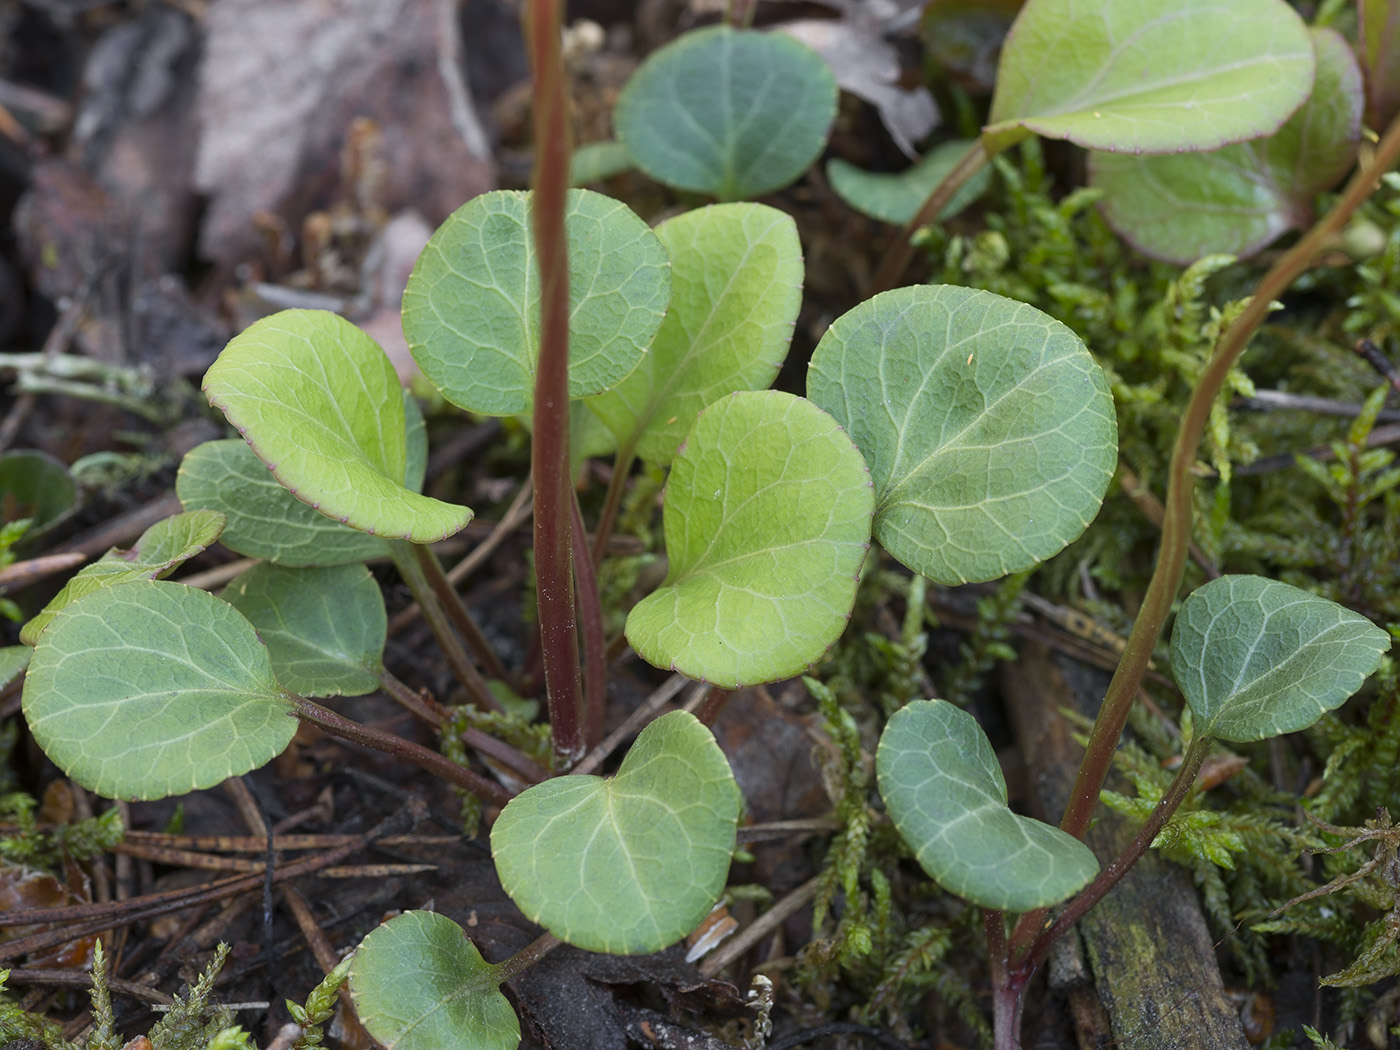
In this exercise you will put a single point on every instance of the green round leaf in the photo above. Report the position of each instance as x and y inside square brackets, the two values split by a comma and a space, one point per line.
[736, 272]
[320, 404]
[732, 113]
[988, 428]
[324, 627]
[944, 790]
[1255, 658]
[596, 161]
[471, 312]
[1240, 198]
[13, 660]
[419, 984]
[36, 486]
[149, 689]
[162, 548]
[896, 199]
[631, 864]
[265, 520]
[1150, 76]
[767, 521]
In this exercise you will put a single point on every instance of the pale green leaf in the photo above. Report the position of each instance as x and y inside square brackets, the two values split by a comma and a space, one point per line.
[945, 793]
[633, 863]
[471, 312]
[988, 428]
[324, 627]
[149, 689]
[896, 199]
[160, 551]
[596, 161]
[736, 272]
[419, 984]
[589, 436]
[732, 113]
[321, 405]
[1240, 198]
[1255, 658]
[767, 522]
[265, 520]
[13, 660]
[36, 486]
[1150, 76]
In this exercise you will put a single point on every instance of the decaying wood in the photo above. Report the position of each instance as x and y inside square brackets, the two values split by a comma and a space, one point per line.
[1151, 957]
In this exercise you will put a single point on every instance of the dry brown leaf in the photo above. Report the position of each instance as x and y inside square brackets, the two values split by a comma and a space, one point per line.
[281, 82]
[868, 66]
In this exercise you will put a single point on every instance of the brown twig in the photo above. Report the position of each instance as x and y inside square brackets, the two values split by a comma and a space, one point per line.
[732, 950]
[29, 975]
[21, 574]
[83, 919]
[209, 579]
[644, 713]
[124, 528]
[410, 751]
[254, 844]
[1151, 508]
[185, 858]
[436, 716]
[1373, 356]
[1283, 400]
[326, 957]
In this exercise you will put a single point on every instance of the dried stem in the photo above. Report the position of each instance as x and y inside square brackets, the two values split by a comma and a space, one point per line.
[422, 757]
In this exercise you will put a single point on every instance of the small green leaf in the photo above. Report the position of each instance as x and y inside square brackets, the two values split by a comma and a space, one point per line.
[896, 199]
[471, 312]
[1255, 658]
[324, 627]
[1150, 76]
[732, 113]
[767, 522]
[419, 984]
[162, 548]
[988, 428]
[596, 161]
[631, 864]
[736, 272]
[265, 520]
[321, 405]
[36, 486]
[589, 436]
[944, 790]
[13, 660]
[149, 689]
[1240, 198]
